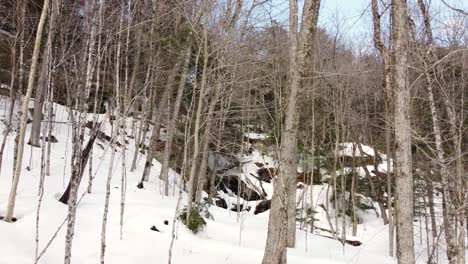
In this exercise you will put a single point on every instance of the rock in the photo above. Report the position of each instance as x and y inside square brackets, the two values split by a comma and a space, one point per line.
[258, 164]
[263, 206]
[153, 228]
[266, 174]
[221, 203]
[166, 222]
[231, 184]
[241, 207]
[354, 243]
[51, 139]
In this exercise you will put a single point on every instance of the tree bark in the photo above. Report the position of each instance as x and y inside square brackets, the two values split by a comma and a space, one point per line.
[157, 124]
[196, 148]
[34, 139]
[386, 84]
[282, 220]
[454, 254]
[71, 194]
[24, 114]
[403, 155]
[164, 174]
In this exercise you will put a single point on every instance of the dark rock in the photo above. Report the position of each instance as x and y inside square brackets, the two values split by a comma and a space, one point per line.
[353, 243]
[153, 228]
[258, 164]
[241, 208]
[221, 203]
[140, 185]
[89, 124]
[166, 222]
[51, 139]
[263, 206]
[266, 174]
[232, 183]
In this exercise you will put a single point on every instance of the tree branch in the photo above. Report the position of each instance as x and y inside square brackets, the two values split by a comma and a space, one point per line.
[6, 33]
[455, 9]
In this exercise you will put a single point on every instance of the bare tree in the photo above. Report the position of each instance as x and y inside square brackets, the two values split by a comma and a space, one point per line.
[24, 113]
[403, 155]
[386, 85]
[164, 174]
[282, 221]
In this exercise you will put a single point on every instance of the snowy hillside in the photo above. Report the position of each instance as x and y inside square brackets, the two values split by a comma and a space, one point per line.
[227, 237]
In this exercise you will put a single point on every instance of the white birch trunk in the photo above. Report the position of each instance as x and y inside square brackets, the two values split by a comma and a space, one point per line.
[24, 114]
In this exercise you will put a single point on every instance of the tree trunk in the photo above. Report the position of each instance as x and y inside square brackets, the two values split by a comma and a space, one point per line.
[449, 210]
[386, 84]
[196, 147]
[403, 155]
[24, 114]
[353, 191]
[430, 199]
[34, 139]
[282, 220]
[205, 143]
[376, 196]
[157, 124]
[164, 174]
[71, 194]
[20, 12]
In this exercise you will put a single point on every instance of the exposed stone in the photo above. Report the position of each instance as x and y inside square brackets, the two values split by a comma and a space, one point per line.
[258, 164]
[241, 208]
[263, 206]
[231, 183]
[266, 174]
[221, 203]
[51, 139]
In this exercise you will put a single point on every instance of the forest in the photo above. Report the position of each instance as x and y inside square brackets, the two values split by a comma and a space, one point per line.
[233, 131]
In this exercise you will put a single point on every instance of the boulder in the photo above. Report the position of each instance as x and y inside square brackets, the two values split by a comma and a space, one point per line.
[221, 203]
[263, 206]
[231, 184]
[266, 174]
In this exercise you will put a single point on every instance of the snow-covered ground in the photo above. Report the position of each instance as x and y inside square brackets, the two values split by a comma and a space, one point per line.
[227, 238]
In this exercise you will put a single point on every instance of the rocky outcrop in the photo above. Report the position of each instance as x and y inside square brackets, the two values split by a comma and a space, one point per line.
[266, 174]
[231, 184]
[263, 206]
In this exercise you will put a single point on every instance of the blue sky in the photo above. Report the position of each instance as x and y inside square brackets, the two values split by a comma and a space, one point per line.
[347, 14]
[353, 17]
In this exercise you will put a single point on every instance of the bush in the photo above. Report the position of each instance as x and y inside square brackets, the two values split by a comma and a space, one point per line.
[196, 222]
